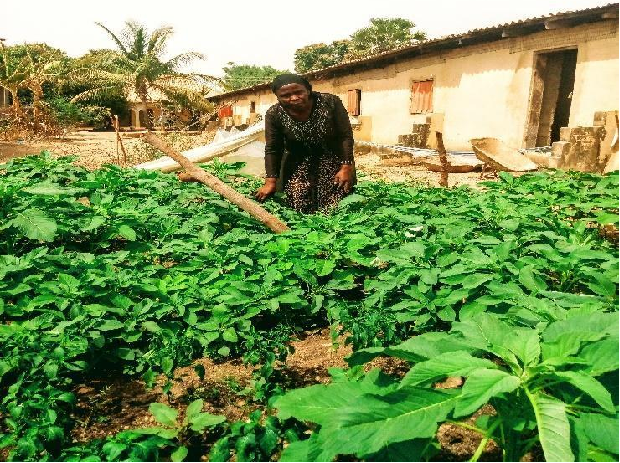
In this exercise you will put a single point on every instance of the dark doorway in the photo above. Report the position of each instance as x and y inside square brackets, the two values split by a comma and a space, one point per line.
[550, 100]
[142, 118]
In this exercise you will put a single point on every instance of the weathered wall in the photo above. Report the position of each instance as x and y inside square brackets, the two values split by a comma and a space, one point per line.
[596, 80]
[482, 90]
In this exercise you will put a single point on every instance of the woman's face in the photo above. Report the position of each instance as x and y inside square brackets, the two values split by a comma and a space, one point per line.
[293, 96]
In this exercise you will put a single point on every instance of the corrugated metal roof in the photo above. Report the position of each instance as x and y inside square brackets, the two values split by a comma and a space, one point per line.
[448, 41]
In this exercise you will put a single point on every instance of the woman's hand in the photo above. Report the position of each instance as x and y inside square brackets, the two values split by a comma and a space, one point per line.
[344, 177]
[268, 189]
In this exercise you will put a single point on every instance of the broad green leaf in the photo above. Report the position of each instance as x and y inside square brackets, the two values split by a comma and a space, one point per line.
[475, 280]
[325, 267]
[491, 334]
[164, 414]
[204, 420]
[224, 351]
[601, 430]
[374, 422]
[167, 364]
[220, 451]
[568, 344]
[553, 427]
[193, 409]
[301, 450]
[418, 348]
[411, 450]
[125, 353]
[127, 232]
[230, 335]
[51, 189]
[113, 450]
[179, 454]
[36, 225]
[320, 402]
[444, 365]
[525, 344]
[151, 326]
[94, 223]
[480, 386]
[590, 386]
[529, 279]
[601, 356]
[51, 369]
[606, 218]
[109, 325]
[601, 323]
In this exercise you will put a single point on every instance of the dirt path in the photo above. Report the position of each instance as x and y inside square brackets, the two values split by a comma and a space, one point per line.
[94, 149]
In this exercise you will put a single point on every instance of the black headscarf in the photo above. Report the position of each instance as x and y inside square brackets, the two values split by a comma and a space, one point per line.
[285, 79]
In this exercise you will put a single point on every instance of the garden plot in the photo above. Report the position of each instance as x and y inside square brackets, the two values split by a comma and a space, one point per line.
[134, 276]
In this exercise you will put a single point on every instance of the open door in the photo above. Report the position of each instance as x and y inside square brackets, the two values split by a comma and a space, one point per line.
[553, 82]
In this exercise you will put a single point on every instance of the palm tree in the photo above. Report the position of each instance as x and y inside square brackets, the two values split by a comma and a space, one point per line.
[28, 66]
[12, 75]
[140, 68]
[41, 64]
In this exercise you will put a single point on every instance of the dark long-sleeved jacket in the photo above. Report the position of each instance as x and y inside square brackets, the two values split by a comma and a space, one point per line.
[284, 150]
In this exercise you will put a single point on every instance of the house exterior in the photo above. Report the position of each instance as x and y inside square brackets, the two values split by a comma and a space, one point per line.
[519, 82]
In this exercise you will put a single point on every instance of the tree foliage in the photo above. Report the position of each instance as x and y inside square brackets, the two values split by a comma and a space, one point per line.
[138, 66]
[238, 76]
[320, 55]
[382, 35]
[28, 67]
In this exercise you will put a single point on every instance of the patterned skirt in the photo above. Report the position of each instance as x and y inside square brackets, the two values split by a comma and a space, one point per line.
[310, 188]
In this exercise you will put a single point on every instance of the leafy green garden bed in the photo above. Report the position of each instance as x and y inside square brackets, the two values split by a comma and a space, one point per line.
[132, 274]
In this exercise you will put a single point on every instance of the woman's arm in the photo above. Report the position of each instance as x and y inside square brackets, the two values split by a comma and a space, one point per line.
[344, 132]
[274, 146]
[345, 178]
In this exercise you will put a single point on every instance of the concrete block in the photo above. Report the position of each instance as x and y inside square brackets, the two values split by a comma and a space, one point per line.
[608, 120]
[420, 134]
[405, 140]
[565, 133]
[583, 153]
[544, 159]
[560, 149]
[612, 164]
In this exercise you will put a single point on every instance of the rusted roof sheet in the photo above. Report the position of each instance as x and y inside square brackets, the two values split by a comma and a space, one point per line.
[470, 37]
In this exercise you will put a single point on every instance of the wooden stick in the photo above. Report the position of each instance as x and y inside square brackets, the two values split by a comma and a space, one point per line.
[118, 158]
[119, 140]
[218, 186]
[443, 181]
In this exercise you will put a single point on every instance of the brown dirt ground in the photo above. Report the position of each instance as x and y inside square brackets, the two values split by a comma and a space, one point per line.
[95, 149]
[109, 405]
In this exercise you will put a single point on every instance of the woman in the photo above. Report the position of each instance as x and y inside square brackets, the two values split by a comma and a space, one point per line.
[309, 147]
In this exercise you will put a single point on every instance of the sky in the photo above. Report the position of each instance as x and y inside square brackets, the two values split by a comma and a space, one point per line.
[252, 32]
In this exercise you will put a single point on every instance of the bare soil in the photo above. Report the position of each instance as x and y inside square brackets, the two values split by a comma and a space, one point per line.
[108, 406]
[94, 149]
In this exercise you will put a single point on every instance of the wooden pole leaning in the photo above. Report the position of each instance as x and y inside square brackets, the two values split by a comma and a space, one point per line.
[445, 165]
[210, 180]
